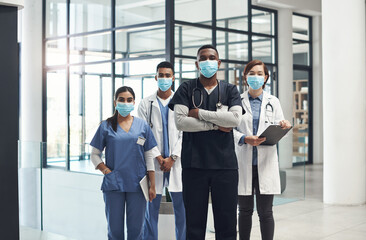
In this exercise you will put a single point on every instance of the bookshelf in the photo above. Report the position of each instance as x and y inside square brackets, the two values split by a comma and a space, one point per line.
[300, 120]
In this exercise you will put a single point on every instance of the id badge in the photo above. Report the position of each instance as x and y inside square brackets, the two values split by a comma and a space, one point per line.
[141, 141]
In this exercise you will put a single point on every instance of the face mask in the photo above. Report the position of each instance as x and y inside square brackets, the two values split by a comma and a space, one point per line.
[124, 108]
[164, 83]
[255, 82]
[208, 68]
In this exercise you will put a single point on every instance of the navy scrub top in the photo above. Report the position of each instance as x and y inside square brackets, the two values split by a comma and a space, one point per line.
[124, 154]
[212, 149]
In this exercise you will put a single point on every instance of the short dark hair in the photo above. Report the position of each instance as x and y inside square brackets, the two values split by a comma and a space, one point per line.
[207, 46]
[165, 64]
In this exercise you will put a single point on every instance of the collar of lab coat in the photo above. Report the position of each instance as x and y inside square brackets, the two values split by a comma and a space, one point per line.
[153, 98]
[245, 99]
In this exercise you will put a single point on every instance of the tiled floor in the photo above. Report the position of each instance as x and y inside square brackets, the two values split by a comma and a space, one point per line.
[308, 219]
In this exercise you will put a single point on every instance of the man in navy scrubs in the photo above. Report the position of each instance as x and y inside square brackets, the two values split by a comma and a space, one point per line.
[206, 110]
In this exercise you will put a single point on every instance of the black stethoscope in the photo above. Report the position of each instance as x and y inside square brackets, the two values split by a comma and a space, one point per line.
[269, 105]
[150, 123]
[269, 109]
[218, 104]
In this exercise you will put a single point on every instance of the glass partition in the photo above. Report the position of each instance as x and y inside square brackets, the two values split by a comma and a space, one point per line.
[264, 49]
[56, 52]
[90, 48]
[232, 46]
[188, 39]
[130, 12]
[91, 15]
[199, 11]
[55, 18]
[263, 22]
[233, 17]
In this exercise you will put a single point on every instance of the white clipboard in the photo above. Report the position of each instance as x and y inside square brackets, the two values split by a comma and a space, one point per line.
[144, 184]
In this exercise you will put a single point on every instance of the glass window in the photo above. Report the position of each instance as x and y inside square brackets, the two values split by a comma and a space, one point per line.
[140, 42]
[90, 48]
[300, 53]
[89, 15]
[195, 11]
[129, 12]
[140, 75]
[55, 18]
[77, 85]
[56, 118]
[189, 39]
[263, 49]
[91, 101]
[263, 22]
[56, 52]
[230, 72]
[234, 17]
[185, 69]
[232, 46]
[300, 27]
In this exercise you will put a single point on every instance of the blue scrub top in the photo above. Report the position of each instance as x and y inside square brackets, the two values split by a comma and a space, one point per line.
[164, 117]
[124, 154]
[255, 105]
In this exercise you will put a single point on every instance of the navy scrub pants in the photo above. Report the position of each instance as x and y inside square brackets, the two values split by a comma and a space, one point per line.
[152, 215]
[115, 204]
[224, 194]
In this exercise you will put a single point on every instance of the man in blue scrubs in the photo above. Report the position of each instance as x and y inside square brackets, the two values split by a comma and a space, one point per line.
[206, 110]
[168, 172]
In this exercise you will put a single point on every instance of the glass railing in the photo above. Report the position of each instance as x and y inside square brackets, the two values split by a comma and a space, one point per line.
[58, 200]
[293, 180]
[61, 195]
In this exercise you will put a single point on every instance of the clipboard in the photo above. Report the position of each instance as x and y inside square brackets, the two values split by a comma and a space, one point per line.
[273, 134]
[144, 184]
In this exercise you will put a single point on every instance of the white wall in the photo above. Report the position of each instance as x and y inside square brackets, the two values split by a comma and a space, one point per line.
[344, 101]
[30, 112]
[317, 92]
[285, 83]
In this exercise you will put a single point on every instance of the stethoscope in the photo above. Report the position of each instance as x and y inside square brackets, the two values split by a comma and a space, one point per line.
[150, 123]
[218, 104]
[269, 111]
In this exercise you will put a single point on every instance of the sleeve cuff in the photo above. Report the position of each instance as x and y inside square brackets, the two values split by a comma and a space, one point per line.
[241, 141]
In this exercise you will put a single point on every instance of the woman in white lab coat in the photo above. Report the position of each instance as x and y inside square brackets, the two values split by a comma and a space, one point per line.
[258, 165]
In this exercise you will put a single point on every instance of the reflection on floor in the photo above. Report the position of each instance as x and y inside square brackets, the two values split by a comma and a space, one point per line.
[295, 217]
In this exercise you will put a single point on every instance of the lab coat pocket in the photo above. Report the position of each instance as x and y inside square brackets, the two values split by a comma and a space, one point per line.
[110, 182]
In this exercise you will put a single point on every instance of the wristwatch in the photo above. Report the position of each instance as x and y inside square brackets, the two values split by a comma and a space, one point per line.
[174, 157]
[215, 127]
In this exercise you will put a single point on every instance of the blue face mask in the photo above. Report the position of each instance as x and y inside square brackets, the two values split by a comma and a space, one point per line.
[208, 68]
[124, 108]
[164, 83]
[255, 82]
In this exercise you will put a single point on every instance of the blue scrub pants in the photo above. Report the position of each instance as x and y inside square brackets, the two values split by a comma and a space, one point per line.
[115, 203]
[152, 216]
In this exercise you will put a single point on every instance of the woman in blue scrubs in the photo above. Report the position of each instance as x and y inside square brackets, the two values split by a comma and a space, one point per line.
[129, 151]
